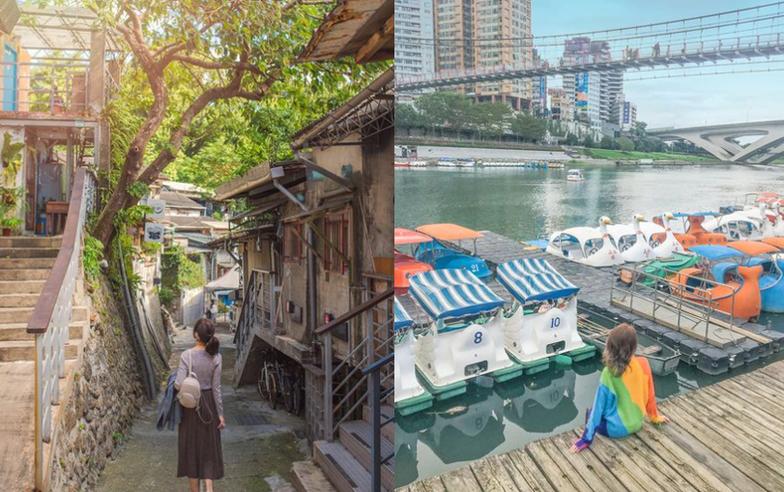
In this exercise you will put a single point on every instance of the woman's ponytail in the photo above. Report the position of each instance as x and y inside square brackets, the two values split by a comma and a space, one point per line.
[213, 345]
[205, 330]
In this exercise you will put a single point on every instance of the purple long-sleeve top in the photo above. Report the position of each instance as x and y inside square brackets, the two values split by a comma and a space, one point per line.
[208, 371]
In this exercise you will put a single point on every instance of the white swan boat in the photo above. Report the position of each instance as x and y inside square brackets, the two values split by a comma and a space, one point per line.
[630, 240]
[466, 337]
[543, 319]
[661, 238]
[574, 175]
[745, 225]
[410, 396]
[586, 245]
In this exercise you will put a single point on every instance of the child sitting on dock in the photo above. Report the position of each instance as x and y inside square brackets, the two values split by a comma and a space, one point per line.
[625, 395]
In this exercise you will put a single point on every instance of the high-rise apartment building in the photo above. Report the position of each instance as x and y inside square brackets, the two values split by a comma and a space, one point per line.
[414, 33]
[476, 34]
[628, 117]
[592, 97]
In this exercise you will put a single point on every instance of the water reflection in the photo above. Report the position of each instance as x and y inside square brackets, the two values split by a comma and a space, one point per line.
[542, 402]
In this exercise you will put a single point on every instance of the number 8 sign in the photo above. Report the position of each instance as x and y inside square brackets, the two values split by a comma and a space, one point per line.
[478, 337]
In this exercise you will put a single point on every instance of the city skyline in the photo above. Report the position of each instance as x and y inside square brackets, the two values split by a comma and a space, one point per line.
[729, 99]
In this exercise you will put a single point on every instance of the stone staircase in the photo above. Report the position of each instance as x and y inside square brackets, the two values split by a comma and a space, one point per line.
[344, 464]
[25, 263]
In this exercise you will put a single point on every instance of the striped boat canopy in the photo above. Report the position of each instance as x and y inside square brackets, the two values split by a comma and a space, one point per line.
[534, 279]
[402, 319]
[452, 293]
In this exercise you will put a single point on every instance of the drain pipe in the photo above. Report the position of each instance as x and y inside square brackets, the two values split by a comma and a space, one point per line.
[277, 173]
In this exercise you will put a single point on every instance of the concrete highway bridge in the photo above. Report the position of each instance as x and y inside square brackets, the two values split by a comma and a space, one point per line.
[721, 141]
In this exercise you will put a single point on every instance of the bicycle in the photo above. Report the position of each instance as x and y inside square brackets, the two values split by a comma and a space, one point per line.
[267, 383]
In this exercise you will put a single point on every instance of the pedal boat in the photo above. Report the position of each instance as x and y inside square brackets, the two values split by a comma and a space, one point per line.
[446, 251]
[771, 282]
[587, 245]
[744, 225]
[721, 282]
[406, 265]
[694, 234]
[660, 236]
[410, 396]
[542, 321]
[630, 240]
[466, 336]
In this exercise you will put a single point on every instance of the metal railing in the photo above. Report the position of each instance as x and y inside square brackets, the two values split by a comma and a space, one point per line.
[346, 387]
[672, 304]
[248, 314]
[377, 394]
[52, 314]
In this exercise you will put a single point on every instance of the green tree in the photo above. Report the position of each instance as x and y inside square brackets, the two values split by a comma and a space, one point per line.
[607, 142]
[625, 144]
[187, 60]
[529, 128]
[406, 116]
[571, 139]
[588, 141]
[489, 119]
[444, 110]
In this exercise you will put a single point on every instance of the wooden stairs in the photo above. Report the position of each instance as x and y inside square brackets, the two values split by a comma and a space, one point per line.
[25, 263]
[344, 464]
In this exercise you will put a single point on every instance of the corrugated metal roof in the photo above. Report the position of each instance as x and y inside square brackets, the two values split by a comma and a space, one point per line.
[350, 26]
[176, 200]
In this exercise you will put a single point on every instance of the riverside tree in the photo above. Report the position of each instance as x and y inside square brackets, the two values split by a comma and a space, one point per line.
[187, 61]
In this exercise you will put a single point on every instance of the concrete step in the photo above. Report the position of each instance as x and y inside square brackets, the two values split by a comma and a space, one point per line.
[308, 477]
[387, 412]
[18, 300]
[21, 286]
[340, 467]
[355, 436]
[18, 331]
[28, 252]
[22, 275]
[30, 242]
[17, 397]
[25, 263]
[19, 350]
[22, 314]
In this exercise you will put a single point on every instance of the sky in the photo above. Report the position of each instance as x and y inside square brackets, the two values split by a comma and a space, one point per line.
[688, 101]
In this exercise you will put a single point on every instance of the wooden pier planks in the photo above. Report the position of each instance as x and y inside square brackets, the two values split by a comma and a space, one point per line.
[721, 438]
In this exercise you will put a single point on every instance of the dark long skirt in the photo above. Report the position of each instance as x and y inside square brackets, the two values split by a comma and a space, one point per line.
[199, 453]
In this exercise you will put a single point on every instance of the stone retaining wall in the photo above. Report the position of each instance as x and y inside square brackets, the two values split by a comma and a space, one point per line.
[103, 397]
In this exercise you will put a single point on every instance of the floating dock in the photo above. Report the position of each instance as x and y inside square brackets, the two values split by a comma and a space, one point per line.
[723, 437]
[713, 347]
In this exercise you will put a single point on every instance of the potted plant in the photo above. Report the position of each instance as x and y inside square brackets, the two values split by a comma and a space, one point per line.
[11, 226]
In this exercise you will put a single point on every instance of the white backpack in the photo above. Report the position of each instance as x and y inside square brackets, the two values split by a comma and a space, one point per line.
[190, 389]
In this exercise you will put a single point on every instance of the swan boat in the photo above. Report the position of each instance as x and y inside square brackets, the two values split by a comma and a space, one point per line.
[440, 254]
[410, 396]
[630, 240]
[542, 322]
[587, 245]
[466, 336]
[661, 238]
[741, 225]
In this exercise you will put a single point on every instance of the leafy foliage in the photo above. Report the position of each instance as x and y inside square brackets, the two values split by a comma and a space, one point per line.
[178, 272]
[92, 254]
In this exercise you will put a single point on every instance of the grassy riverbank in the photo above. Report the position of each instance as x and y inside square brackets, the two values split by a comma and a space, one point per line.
[621, 155]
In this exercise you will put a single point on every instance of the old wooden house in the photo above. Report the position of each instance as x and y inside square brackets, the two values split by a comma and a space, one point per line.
[315, 244]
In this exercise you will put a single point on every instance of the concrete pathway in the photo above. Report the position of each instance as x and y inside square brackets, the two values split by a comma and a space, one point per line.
[259, 444]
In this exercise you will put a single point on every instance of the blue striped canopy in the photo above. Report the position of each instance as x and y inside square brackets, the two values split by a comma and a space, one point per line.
[402, 319]
[452, 293]
[534, 279]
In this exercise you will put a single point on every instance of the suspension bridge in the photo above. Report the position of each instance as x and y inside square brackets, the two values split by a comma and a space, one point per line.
[753, 33]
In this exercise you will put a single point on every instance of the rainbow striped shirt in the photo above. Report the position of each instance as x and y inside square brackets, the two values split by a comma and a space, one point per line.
[621, 403]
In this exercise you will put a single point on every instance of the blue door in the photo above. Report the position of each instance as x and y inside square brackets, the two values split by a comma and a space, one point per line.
[9, 79]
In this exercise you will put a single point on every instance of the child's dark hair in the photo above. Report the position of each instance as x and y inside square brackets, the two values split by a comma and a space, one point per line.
[205, 330]
[620, 347]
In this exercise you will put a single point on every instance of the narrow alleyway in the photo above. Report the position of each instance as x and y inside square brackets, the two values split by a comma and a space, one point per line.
[259, 444]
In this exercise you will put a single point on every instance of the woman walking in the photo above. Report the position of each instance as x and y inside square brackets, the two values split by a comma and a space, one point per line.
[199, 453]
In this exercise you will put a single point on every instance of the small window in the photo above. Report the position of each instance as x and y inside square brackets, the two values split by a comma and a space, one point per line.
[293, 251]
[336, 253]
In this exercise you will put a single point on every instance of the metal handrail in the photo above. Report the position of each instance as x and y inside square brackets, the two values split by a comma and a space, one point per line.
[373, 373]
[52, 315]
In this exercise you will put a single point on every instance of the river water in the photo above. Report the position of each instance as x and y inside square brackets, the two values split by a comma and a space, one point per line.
[525, 204]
